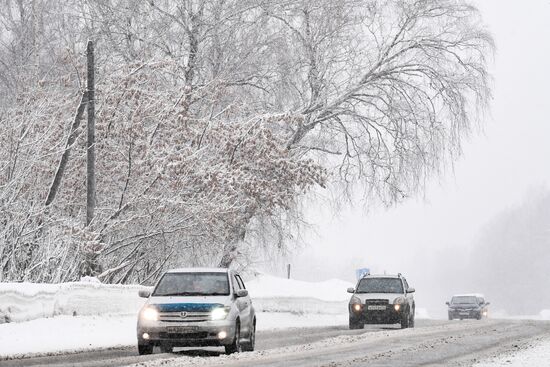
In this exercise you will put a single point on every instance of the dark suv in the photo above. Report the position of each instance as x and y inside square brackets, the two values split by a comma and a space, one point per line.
[467, 306]
[381, 299]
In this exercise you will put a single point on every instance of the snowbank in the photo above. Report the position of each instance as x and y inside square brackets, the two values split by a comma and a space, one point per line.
[27, 301]
[502, 314]
[266, 286]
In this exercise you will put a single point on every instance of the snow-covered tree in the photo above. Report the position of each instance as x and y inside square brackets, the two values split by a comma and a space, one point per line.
[214, 118]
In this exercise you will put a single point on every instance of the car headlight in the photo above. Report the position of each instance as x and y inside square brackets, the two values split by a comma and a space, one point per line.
[399, 301]
[219, 313]
[355, 303]
[150, 314]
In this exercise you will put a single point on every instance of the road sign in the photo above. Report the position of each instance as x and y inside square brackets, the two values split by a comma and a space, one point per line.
[360, 273]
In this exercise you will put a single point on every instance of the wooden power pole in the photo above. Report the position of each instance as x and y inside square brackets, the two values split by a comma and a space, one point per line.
[90, 144]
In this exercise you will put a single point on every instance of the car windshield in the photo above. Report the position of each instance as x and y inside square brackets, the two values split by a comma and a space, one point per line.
[380, 285]
[464, 300]
[193, 284]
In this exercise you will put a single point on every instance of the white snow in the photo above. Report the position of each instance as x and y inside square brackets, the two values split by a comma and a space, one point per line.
[66, 333]
[28, 301]
[266, 286]
[537, 355]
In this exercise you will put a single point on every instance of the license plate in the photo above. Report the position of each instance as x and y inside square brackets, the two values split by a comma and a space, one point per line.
[376, 308]
[464, 313]
[181, 329]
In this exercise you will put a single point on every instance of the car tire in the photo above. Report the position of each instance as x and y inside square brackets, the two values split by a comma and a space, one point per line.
[144, 349]
[250, 344]
[235, 347]
[405, 321]
[355, 324]
[166, 348]
[450, 318]
[479, 316]
[411, 322]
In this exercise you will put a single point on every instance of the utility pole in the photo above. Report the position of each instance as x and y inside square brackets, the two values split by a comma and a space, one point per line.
[90, 144]
[288, 271]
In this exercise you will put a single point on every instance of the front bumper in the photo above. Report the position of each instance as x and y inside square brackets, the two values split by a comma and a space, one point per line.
[387, 316]
[465, 314]
[186, 334]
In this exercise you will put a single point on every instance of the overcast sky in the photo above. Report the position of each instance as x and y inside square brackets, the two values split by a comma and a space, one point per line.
[498, 168]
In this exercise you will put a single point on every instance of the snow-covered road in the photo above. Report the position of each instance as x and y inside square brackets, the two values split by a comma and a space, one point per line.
[431, 343]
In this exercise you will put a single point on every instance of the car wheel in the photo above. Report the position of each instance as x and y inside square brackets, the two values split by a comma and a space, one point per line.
[166, 348]
[144, 349]
[479, 316]
[450, 317]
[405, 319]
[249, 346]
[355, 324]
[411, 322]
[235, 347]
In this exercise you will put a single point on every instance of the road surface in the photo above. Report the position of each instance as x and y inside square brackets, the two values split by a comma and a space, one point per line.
[430, 343]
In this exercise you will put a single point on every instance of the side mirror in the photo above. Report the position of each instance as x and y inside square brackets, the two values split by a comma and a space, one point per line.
[447, 303]
[144, 293]
[410, 290]
[487, 303]
[241, 293]
[351, 290]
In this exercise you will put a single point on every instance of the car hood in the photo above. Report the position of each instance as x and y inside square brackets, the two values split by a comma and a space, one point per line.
[389, 296]
[189, 303]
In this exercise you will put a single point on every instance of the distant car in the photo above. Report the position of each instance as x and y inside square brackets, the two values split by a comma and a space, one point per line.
[197, 307]
[467, 306]
[381, 299]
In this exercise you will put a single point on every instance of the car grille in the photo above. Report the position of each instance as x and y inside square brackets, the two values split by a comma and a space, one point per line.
[376, 302]
[197, 335]
[184, 316]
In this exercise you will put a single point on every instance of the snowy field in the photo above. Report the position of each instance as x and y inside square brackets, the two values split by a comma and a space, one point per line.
[55, 318]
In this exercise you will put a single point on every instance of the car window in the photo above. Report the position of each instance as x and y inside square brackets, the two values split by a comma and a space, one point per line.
[380, 285]
[189, 284]
[464, 300]
[236, 285]
[240, 280]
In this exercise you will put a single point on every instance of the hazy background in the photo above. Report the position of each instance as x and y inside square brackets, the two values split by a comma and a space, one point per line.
[478, 228]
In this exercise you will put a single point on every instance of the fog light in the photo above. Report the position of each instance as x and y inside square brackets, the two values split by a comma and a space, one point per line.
[397, 307]
[357, 307]
[222, 335]
[145, 336]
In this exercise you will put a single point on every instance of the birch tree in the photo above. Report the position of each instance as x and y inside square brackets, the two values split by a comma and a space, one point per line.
[215, 119]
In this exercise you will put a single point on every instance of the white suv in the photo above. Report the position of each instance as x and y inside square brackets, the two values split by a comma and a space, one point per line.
[197, 307]
[381, 299]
